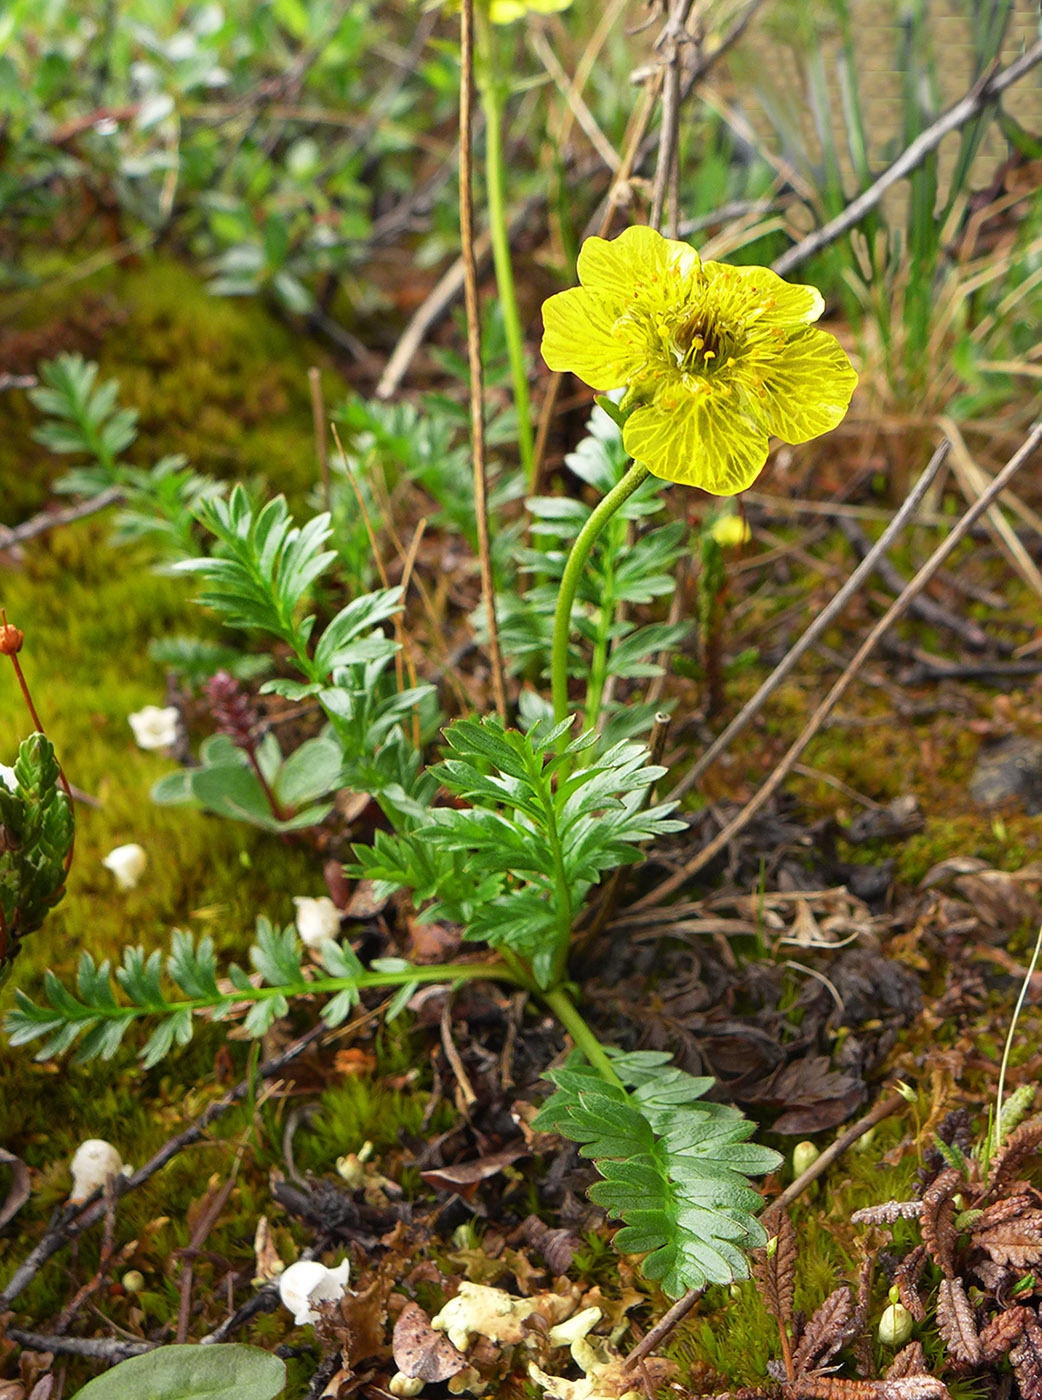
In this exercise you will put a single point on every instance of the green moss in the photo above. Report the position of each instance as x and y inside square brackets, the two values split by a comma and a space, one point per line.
[216, 378]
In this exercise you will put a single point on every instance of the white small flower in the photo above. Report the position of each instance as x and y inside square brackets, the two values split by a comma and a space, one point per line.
[318, 920]
[93, 1163]
[311, 1282]
[8, 778]
[127, 863]
[154, 727]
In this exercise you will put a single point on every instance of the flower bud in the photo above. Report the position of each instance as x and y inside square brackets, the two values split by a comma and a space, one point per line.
[804, 1155]
[11, 639]
[895, 1326]
[317, 920]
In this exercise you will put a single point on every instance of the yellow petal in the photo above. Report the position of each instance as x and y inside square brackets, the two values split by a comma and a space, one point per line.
[697, 439]
[581, 333]
[806, 387]
[760, 293]
[638, 266]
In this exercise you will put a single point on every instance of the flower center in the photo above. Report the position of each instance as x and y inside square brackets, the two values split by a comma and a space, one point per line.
[699, 344]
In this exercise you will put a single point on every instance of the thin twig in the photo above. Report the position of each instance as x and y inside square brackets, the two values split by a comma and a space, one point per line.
[477, 395]
[51, 519]
[583, 115]
[318, 414]
[671, 40]
[73, 1221]
[979, 96]
[824, 620]
[110, 1349]
[896, 610]
[663, 1327]
[881, 1110]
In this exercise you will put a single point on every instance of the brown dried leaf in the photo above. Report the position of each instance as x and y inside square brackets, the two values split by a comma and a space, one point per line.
[909, 1361]
[826, 1332]
[19, 1191]
[888, 1212]
[420, 1352]
[912, 1387]
[1026, 1357]
[355, 1323]
[1016, 1241]
[775, 1274]
[1000, 1211]
[906, 1276]
[1019, 1146]
[1002, 1331]
[465, 1177]
[268, 1263]
[956, 1322]
[937, 1221]
[557, 1247]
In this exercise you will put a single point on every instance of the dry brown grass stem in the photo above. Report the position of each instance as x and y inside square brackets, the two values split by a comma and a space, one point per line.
[477, 392]
[572, 95]
[980, 95]
[403, 659]
[318, 415]
[818, 627]
[896, 610]
[671, 42]
[972, 480]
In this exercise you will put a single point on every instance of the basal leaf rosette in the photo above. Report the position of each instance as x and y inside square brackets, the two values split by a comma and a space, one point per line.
[713, 358]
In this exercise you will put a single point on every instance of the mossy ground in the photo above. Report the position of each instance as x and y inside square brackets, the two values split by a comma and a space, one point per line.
[225, 383]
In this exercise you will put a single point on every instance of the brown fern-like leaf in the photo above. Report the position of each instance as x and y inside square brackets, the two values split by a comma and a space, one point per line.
[827, 1331]
[861, 1346]
[956, 1323]
[910, 1387]
[1017, 1242]
[906, 1276]
[937, 1221]
[1002, 1332]
[775, 1273]
[887, 1213]
[1019, 1146]
[1026, 1357]
[1009, 1208]
[909, 1361]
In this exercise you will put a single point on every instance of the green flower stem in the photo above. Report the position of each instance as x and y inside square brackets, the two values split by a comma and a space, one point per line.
[561, 1004]
[492, 97]
[585, 541]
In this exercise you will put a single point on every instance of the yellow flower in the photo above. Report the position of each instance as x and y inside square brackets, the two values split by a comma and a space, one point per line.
[506, 11]
[714, 358]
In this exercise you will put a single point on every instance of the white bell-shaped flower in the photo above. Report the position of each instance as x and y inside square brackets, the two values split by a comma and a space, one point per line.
[127, 863]
[155, 727]
[311, 1282]
[93, 1162]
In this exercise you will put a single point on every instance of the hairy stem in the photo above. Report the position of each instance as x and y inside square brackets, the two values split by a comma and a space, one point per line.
[492, 96]
[561, 1004]
[587, 537]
